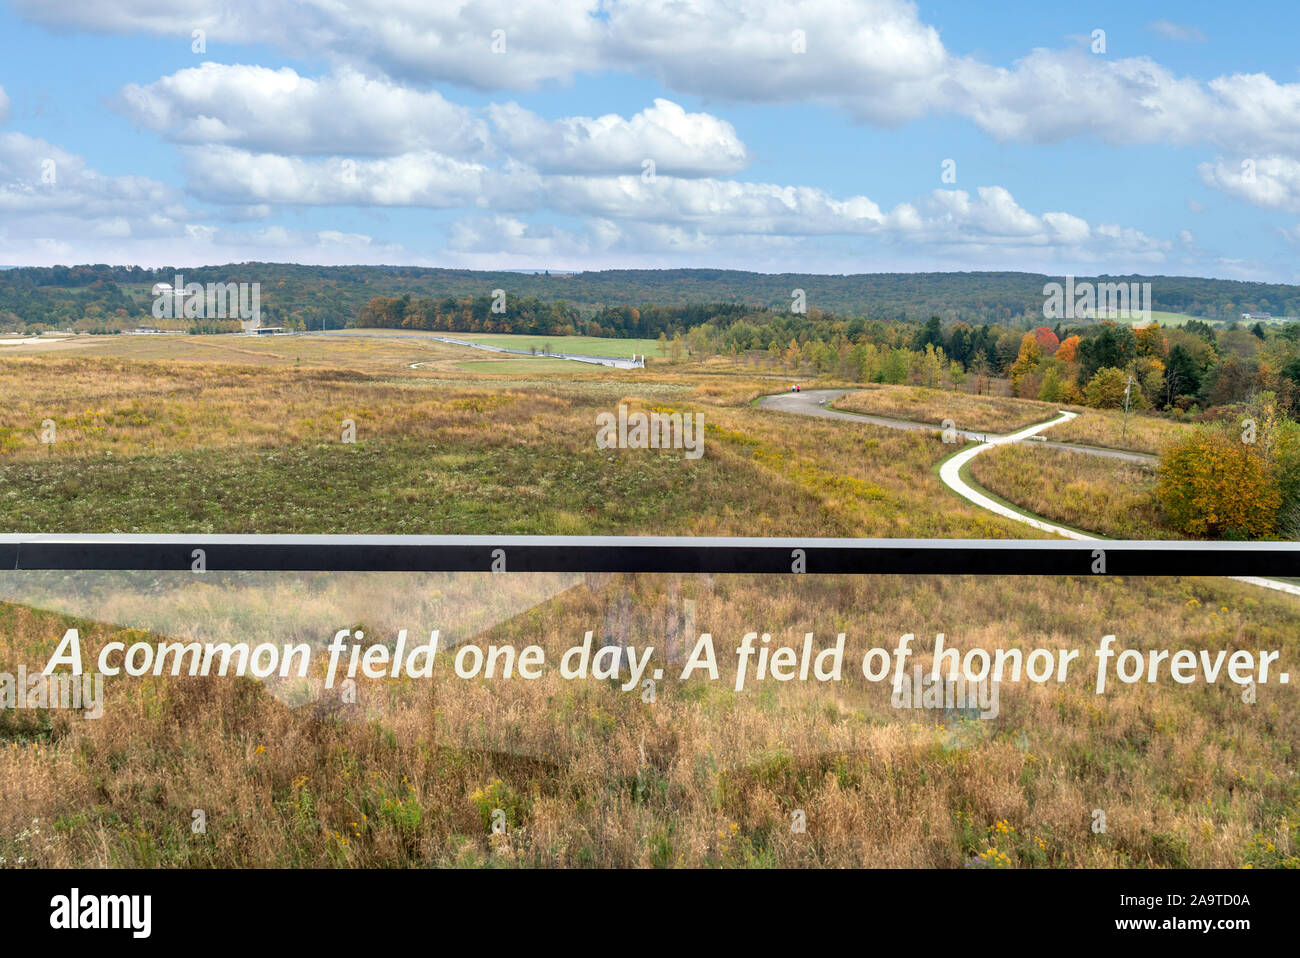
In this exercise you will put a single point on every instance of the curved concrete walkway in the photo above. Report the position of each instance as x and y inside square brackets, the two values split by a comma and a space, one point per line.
[816, 402]
[950, 473]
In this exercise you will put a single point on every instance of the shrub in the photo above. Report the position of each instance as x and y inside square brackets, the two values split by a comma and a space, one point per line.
[1213, 486]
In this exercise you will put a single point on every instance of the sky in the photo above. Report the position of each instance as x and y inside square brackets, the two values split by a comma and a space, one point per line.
[822, 136]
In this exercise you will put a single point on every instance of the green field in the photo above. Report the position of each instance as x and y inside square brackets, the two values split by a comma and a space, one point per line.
[1178, 319]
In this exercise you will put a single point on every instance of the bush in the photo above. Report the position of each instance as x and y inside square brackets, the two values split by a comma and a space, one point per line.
[1213, 486]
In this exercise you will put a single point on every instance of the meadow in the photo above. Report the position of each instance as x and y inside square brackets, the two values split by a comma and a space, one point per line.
[1107, 428]
[584, 774]
[1104, 496]
[995, 414]
[251, 440]
[1178, 319]
[228, 434]
[581, 345]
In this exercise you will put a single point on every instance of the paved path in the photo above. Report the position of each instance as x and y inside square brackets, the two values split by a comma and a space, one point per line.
[816, 402]
[950, 473]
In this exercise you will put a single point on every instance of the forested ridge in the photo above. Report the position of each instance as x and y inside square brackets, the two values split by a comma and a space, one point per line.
[315, 297]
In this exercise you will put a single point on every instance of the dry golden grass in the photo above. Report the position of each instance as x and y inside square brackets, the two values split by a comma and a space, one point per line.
[256, 448]
[998, 414]
[1093, 493]
[243, 436]
[703, 776]
[1105, 427]
[354, 352]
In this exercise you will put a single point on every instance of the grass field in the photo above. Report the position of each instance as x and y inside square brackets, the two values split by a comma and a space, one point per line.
[223, 434]
[582, 345]
[704, 776]
[980, 413]
[348, 346]
[516, 365]
[1178, 319]
[257, 447]
[1106, 428]
[1109, 497]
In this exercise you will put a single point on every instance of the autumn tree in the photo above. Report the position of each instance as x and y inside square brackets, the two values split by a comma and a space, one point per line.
[1151, 341]
[1105, 390]
[1067, 352]
[1026, 363]
[1047, 341]
[1212, 485]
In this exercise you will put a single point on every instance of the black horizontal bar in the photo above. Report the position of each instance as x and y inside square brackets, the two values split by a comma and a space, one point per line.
[646, 554]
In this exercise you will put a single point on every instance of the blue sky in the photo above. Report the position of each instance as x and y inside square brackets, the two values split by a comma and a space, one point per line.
[809, 135]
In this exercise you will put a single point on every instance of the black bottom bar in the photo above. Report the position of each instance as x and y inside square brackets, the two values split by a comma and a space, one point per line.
[930, 909]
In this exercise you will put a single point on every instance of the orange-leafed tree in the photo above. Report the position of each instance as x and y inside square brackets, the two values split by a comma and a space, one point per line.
[1068, 351]
[1047, 341]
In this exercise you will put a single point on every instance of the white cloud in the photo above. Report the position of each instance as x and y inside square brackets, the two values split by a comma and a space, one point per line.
[4, 105]
[875, 59]
[54, 208]
[267, 110]
[422, 178]
[942, 218]
[201, 244]
[39, 181]
[280, 112]
[689, 211]
[678, 143]
[1052, 96]
[544, 39]
[496, 242]
[510, 242]
[1270, 182]
[253, 138]
[626, 215]
[723, 206]
[493, 235]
